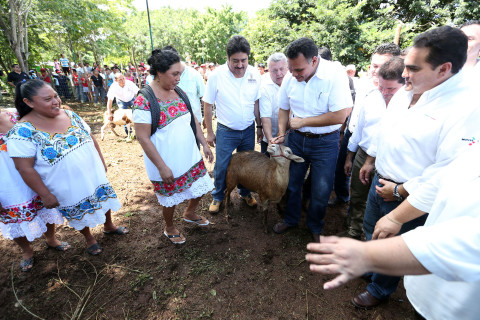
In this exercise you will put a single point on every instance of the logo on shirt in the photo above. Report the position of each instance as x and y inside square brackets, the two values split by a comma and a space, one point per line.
[252, 79]
[471, 141]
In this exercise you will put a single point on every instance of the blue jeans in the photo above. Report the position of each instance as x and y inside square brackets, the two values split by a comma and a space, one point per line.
[99, 91]
[227, 141]
[321, 154]
[78, 90]
[125, 105]
[382, 286]
[342, 182]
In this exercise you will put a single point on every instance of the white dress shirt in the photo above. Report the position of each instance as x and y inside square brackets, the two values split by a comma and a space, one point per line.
[125, 94]
[327, 90]
[269, 102]
[192, 83]
[365, 87]
[234, 97]
[449, 244]
[371, 113]
[415, 143]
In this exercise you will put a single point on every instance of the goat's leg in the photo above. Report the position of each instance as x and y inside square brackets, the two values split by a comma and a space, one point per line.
[227, 202]
[265, 214]
[102, 130]
[113, 130]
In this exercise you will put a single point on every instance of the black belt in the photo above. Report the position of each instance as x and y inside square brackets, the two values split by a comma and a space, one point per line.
[382, 177]
[314, 135]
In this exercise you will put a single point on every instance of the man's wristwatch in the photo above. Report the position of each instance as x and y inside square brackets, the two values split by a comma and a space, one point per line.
[396, 194]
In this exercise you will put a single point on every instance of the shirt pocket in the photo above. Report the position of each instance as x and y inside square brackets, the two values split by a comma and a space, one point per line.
[250, 91]
[321, 101]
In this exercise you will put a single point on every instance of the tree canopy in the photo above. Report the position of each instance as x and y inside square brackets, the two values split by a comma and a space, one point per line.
[109, 31]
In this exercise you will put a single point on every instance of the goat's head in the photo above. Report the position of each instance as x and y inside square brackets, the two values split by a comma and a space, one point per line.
[276, 150]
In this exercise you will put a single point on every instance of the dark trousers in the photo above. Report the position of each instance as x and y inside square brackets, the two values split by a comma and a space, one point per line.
[342, 182]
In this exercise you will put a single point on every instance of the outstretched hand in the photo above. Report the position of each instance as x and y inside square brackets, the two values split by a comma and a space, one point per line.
[342, 256]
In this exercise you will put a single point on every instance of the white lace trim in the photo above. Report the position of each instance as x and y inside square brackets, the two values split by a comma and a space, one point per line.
[200, 187]
[32, 229]
[92, 220]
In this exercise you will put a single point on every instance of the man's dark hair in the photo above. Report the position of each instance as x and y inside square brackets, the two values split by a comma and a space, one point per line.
[261, 65]
[387, 48]
[237, 44]
[325, 53]
[15, 64]
[470, 23]
[392, 70]
[162, 60]
[445, 44]
[304, 46]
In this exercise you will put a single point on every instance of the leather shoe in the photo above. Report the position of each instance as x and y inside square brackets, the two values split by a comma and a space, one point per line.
[348, 234]
[281, 227]
[365, 300]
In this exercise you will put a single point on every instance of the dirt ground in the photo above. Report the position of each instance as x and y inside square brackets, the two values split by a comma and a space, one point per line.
[224, 271]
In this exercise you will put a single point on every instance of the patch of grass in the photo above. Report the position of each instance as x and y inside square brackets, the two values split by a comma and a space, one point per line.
[130, 214]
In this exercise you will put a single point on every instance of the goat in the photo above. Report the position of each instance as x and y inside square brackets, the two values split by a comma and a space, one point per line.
[256, 172]
[120, 117]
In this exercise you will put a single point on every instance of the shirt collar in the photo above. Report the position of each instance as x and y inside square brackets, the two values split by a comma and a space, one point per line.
[443, 87]
[321, 71]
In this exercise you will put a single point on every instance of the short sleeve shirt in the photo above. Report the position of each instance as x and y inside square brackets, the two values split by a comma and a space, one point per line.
[327, 91]
[17, 77]
[234, 97]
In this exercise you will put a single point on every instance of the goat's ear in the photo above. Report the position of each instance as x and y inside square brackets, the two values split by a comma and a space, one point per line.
[295, 158]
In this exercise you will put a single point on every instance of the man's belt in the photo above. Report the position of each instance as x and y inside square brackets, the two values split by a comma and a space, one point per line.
[382, 177]
[314, 135]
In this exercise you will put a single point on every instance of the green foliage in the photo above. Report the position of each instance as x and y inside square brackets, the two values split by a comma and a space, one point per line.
[109, 31]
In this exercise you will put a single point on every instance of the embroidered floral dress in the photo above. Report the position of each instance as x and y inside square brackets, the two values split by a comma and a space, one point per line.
[176, 145]
[25, 215]
[70, 167]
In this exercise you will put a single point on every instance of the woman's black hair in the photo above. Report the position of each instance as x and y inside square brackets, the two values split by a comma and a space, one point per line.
[162, 60]
[28, 90]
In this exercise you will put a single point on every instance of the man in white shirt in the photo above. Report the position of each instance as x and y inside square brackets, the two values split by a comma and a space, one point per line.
[271, 82]
[472, 31]
[375, 105]
[363, 87]
[314, 100]
[235, 89]
[420, 140]
[447, 246]
[124, 91]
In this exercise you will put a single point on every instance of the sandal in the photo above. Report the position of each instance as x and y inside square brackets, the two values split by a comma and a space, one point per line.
[64, 246]
[198, 221]
[173, 236]
[26, 265]
[94, 249]
[119, 231]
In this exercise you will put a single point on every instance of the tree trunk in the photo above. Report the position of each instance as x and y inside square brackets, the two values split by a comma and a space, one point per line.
[16, 29]
[136, 67]
[397, 33]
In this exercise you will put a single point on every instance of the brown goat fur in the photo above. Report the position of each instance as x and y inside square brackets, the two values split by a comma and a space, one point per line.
[258, 173]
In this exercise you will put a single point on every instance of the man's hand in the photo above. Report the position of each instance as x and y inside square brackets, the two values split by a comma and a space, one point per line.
[277, 140]
[167, 175]
[386, 191]
[296, 123]
[110, 116]
[348, 164]
[342, 256]
[208, 153]
[49, 201]
[211, 139]
[366, 172]
[259, 135]
[385, 229]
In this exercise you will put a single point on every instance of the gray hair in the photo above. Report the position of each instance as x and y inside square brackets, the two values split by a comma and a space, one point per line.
[276, 57]
[118, 75]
